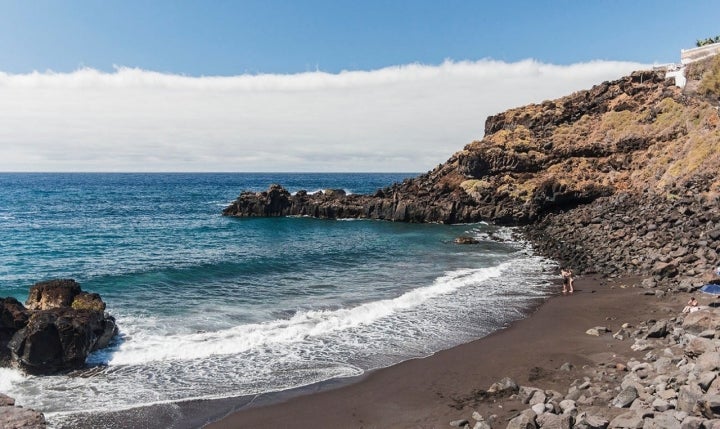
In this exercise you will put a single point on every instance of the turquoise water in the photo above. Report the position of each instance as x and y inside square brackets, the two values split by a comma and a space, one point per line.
[212, 307]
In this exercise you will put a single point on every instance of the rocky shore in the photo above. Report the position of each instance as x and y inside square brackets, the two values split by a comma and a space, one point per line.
[675, 385]
[59, 326]
[620, 180]
[55, 331]
[674, 240]
[635, 136]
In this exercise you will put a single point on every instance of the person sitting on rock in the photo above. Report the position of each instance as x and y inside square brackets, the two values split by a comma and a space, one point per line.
[691, 306]
[568, 280]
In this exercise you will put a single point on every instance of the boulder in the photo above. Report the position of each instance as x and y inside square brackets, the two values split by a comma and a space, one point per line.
[709, 406]
[538, 409]
[665, 269]
[626, 397]
[711, 424]
[698, 346]
[661, 421]
[13, 417]
[506, 386]
[660, 405]
[709, 361]
[526, 393]
[5, 400]
[526, 420]
[692, 422]
[60, 339]
[585, 421]
[21, 418]
[597, 331]
[465, 240]
[628, 420]
[702, 320]
[60, 327]
[553, 421]
[658, 330]
[688, 398]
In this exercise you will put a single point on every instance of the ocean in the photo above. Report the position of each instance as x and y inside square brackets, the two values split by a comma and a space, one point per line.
[216, 307]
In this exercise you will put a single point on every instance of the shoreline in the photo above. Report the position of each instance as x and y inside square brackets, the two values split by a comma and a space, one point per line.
[432, 391]
[199, 413]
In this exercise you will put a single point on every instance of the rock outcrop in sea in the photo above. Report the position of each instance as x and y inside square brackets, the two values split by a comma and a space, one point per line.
[56, 329]
[619, 179]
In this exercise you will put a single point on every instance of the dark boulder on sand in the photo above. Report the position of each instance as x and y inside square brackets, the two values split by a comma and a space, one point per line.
[59, 328]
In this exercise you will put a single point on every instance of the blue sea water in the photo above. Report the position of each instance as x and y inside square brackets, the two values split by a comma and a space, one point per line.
[211, 307]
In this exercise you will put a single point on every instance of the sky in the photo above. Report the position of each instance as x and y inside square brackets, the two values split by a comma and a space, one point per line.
[326, 86]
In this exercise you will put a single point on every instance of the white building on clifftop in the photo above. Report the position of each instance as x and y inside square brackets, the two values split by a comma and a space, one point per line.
[688, 56]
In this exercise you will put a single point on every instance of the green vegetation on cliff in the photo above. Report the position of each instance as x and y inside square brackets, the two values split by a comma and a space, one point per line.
[707, 41]
[710, 83]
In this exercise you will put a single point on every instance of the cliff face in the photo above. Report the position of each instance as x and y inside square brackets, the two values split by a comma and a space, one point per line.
[634, 134]
[621, 178]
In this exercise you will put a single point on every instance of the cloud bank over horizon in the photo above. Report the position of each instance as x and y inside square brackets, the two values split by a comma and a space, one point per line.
[405, 119]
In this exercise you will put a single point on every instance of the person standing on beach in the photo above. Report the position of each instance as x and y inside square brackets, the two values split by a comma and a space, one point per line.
[568, 280]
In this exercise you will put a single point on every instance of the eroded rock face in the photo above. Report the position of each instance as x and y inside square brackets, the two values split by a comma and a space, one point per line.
[537, 159]
[52, 294]
[59, 329]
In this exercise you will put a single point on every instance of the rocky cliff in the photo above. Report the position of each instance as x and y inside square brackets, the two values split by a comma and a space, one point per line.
[632, 161]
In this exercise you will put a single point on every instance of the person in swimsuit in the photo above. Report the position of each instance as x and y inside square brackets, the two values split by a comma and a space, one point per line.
[691, 306]
[568, 280]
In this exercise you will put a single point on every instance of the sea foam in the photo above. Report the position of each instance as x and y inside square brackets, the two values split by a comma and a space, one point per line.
[316, 323]
[8, 378]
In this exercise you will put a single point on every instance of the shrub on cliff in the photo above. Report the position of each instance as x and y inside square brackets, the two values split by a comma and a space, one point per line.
[707, 41]
[710, 83]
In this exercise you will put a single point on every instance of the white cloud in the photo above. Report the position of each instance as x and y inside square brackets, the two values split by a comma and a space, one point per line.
[406, 118]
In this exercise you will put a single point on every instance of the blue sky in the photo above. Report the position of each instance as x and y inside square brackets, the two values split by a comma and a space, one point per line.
[302, 85]
[223, 37]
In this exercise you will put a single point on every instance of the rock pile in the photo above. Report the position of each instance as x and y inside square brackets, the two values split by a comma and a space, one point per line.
[673, 239]
[56, 329]
[674, 386]
[14, 417]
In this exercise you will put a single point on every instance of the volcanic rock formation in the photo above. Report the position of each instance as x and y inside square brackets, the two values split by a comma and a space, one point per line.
[621, 178]
[58, 329]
